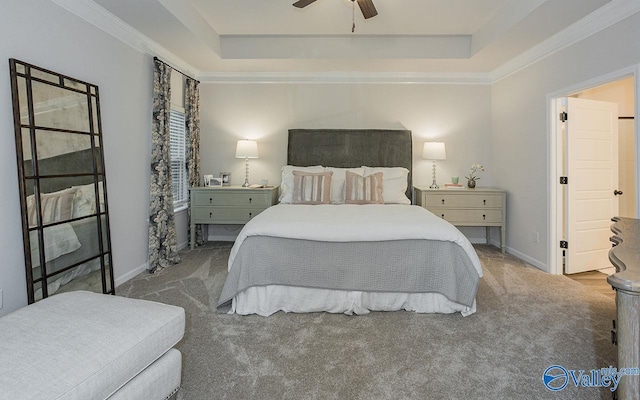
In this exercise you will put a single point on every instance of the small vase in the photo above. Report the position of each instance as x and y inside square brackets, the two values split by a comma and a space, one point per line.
[471, 184]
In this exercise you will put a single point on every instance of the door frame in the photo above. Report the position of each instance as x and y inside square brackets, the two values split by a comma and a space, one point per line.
[555, 214]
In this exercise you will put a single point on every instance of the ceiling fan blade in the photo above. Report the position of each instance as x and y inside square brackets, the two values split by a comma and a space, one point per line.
[303, 3]
[367, 8]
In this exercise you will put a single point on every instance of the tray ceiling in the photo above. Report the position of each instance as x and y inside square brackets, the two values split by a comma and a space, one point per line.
[408, 36]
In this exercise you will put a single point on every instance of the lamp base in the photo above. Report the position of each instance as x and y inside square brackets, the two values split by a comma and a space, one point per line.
[434, 185]
[246, 173]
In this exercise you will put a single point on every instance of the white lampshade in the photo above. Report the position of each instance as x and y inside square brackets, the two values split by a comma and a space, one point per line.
[434, 151]
[247, 149]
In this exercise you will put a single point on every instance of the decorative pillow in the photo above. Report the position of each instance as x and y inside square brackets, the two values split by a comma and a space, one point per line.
[84, 202]
[56, 206]
[286, 187]
[363, 189]
[311, 188]
[338, 181]
[395, 183]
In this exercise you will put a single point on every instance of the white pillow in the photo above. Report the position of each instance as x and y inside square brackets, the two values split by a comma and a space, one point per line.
[286, 187]
[338, 181]
[394, 183]
[84, 201]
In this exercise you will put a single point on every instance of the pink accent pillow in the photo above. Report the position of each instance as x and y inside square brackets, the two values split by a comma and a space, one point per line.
[363, 189]
[311, 188]
[55, 207]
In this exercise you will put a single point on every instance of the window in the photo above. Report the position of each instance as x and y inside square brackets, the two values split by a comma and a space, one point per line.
[179, 174]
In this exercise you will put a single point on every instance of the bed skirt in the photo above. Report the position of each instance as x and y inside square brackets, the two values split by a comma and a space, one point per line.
[266, 300]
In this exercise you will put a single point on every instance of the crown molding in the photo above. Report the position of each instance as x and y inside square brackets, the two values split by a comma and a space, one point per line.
[613, 12]
[102, 19]
[345, 78]
[602, 18]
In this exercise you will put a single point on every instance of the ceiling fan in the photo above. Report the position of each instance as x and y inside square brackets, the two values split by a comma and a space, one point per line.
[366, 6]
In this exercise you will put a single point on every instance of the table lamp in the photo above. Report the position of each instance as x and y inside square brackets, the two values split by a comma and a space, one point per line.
[247, 149]
[434, 151]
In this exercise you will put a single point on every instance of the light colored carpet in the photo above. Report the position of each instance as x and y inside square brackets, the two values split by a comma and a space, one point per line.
[526, 321]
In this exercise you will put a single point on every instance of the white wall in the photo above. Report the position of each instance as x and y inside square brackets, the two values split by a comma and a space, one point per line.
[41, 33]
[459, 115]
[519, 108]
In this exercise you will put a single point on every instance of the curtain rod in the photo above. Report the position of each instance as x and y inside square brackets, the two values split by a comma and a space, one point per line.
[175, 69]
[626, 117]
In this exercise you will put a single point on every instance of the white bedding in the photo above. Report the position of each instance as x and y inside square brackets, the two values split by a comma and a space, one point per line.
[353, 223]
[347, 223]
[58, 240]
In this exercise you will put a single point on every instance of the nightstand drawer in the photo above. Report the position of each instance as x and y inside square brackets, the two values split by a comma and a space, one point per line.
[219, 215]
[228, 198]
[468, 200]
[466, 216]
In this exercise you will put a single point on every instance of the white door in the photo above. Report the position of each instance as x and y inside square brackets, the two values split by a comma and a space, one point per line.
[592, 168]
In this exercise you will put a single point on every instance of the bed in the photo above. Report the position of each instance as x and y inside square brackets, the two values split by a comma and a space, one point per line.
[368, 255]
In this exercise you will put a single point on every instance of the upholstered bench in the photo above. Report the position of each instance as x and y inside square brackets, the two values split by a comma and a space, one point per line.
[87, 346]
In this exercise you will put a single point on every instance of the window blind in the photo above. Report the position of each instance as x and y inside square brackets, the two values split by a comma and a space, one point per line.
[177, 132]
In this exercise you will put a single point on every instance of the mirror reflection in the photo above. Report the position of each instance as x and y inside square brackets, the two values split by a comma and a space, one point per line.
[64, 190]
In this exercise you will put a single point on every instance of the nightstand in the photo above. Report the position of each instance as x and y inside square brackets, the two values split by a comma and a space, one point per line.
[228, 205]
[468, 207]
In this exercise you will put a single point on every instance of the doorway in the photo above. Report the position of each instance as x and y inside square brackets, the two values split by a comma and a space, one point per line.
[621, 90]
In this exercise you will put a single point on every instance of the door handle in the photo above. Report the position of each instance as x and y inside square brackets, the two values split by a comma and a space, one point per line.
[617, 192]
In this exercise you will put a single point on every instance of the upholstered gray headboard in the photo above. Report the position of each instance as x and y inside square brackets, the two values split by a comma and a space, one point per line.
[351, 148]
[80, 161]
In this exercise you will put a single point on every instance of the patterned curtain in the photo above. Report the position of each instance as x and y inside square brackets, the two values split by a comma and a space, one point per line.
[192, 117]
[163, 244]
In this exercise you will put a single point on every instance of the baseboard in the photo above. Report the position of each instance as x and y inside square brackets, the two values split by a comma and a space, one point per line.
[122, 279]
[183, 245]
[478, 240]
[530, 260]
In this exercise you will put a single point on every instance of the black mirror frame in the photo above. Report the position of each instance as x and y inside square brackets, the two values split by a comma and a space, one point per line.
[23, 70]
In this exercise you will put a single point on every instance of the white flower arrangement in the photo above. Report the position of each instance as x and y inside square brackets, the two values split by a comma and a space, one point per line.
[475, 168]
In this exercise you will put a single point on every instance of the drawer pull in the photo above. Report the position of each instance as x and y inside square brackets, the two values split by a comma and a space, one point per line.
[484, 202]
[442, 214]
[210, 215]
[484, 216]
[250, 215]
[210, 200]
[443, 201]
[250, 199]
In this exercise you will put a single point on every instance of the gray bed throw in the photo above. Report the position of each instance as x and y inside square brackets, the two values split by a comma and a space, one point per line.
[407, 266]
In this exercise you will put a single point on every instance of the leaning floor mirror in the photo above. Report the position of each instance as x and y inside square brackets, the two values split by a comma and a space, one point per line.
[63, 191]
